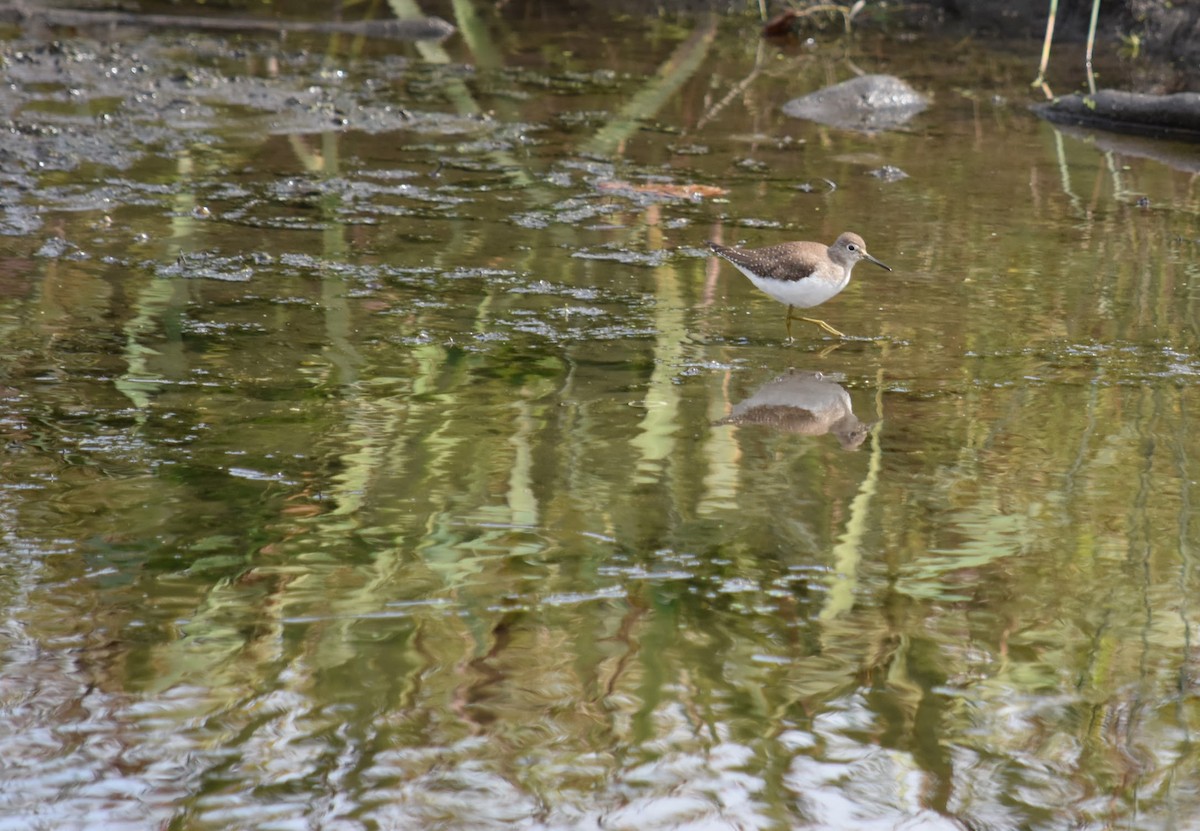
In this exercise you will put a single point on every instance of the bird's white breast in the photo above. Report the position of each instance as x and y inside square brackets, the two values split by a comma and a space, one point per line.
[804, 293]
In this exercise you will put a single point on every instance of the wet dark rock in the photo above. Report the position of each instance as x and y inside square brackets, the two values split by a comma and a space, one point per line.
[58, 248]
[1174, 117]
[204, 265]
[869, 104]
[888, 173]
[820, 186]
[753, 165]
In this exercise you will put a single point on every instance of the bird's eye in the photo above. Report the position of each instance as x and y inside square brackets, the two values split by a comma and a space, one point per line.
[851, 247]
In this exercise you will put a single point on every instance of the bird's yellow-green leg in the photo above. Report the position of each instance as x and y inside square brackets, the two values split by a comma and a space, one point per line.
[823, 325]
[820, 323]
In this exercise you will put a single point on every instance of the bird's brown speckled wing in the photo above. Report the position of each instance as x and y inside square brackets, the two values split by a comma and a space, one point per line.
[789, 261]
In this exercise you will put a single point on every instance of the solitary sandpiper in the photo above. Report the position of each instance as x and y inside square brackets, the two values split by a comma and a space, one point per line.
[800, 274]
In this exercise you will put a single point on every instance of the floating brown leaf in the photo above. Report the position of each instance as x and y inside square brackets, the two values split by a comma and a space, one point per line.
[666, 189]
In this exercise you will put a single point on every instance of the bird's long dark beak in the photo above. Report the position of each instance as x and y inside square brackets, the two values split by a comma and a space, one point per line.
[867, 256]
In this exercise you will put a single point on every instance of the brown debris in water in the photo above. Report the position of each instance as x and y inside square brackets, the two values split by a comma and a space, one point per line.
[666, 189]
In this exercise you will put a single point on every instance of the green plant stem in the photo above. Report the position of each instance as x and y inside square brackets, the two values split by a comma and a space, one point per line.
[1091, 42]
[1040, 80]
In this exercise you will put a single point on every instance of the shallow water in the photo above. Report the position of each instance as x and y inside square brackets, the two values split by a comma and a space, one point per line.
[376, 453]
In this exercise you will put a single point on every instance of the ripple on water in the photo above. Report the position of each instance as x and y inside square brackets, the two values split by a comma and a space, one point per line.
[206, 265]
[571, 211]
[650, 259]
[546, 287]
[576, 598]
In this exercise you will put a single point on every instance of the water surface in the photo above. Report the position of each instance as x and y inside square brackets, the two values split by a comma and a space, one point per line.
[368, 460]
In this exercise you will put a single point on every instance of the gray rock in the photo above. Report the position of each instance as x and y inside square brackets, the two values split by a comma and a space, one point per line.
[869, 104]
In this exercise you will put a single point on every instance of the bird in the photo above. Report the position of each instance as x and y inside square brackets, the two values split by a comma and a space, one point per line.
[800, 274]
[806, 403]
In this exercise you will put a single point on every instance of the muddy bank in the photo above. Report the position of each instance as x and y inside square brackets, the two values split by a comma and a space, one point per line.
[1164, 32]
[420, 28]
[1164, 37]
[1167, 36]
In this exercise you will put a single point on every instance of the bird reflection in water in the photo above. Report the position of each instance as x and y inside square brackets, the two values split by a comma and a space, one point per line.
[807, 403]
